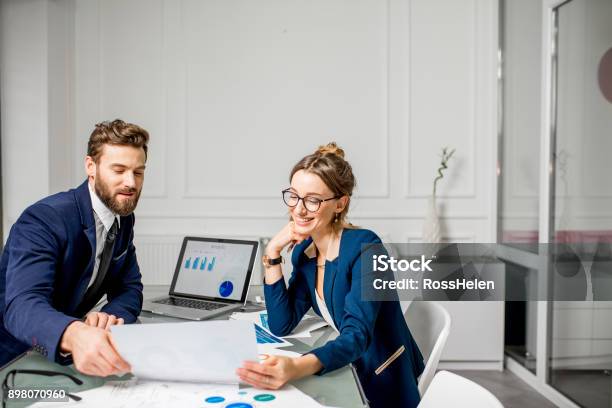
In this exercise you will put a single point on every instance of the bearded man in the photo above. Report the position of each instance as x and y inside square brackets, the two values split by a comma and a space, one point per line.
[67, 251]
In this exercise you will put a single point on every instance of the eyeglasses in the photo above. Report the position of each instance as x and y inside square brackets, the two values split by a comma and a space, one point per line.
[311, 203]
[9, 382]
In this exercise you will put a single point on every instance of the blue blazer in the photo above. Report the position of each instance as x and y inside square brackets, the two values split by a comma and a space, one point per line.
[46, 267]
[370, 331]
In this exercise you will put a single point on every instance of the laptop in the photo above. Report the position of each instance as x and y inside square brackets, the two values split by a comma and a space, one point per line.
[212, 277]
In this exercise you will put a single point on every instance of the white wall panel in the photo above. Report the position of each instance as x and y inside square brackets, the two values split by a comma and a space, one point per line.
[24, 91]
[443, 69]
[266, 88]
[126, 43]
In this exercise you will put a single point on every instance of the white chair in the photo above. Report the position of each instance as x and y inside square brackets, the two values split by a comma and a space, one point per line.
[452, 390]
[430, 325]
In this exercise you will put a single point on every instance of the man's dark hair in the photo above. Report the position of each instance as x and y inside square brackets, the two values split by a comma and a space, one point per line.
[116, 132]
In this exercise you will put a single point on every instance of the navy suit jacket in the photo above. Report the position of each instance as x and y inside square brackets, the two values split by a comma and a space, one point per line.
[370, 331]
[46, 267]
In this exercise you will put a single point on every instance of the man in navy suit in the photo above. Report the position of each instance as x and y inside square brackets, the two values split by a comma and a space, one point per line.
[67, 251]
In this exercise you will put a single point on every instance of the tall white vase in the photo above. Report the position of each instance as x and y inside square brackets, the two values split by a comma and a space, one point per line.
[431, 226]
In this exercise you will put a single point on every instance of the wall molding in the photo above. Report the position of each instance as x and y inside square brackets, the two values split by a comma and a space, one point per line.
[476, 61]
[262, 215]
[188, 193]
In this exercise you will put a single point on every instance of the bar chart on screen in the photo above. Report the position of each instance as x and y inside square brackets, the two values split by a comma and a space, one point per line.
[203, 263]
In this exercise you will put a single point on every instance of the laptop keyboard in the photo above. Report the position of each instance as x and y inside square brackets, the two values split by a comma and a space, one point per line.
[190, 303]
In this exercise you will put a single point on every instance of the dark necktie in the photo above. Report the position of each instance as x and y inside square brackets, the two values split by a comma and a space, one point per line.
[95, 291]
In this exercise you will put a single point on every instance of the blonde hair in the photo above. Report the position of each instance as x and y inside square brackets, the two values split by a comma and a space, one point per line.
[329, 164]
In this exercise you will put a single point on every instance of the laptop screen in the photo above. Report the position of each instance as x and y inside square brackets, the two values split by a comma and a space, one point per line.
[214, 268]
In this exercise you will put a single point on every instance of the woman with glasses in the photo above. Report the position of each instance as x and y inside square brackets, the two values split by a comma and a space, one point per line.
[327, 277]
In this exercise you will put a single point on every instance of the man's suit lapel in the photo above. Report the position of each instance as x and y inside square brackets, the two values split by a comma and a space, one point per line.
[83, 201]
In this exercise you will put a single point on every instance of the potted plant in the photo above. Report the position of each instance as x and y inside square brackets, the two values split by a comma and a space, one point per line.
[431, 226]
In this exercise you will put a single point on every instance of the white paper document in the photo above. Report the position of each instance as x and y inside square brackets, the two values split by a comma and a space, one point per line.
[203, 352]
[140, 394]
[304, 328]
[249, 397]
[273, 351]
[155, 394]
[262, 331]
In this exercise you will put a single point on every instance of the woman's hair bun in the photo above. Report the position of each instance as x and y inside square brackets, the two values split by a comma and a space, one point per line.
[331, 148]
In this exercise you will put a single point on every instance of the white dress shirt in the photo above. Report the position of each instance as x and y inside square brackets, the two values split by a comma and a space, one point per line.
[324, 311]
[104, 219]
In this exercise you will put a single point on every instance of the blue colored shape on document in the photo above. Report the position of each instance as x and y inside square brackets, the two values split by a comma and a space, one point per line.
[264, 320]
[214, 400]
[264, 337]
[239, 405]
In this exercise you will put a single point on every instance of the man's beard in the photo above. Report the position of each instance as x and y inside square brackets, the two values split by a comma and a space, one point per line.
[122, 208]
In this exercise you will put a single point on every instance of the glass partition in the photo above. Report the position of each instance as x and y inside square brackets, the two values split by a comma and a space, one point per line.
[581, 333]
[520, 123]
[519, 167]
[573, 359]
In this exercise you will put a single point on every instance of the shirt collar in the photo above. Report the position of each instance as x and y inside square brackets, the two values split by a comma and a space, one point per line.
[102, 211]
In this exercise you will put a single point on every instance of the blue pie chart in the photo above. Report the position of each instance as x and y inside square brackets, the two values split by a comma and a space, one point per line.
[239, 405]
[226, 288]
[214, 400]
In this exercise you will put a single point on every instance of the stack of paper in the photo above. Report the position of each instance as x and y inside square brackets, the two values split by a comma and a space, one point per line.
[265, 337]
[306, 326]
[153, 394]
[273, 351]
[303, 329]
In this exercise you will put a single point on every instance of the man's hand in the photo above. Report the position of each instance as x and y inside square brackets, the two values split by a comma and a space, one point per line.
[102, 320]
[93, 350]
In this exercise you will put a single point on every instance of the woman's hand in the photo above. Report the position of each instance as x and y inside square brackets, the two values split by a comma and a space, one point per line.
[275, 371]
[271, 373]
[286, 236]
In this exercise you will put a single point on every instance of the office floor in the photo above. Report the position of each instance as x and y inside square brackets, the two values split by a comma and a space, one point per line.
[589, 388]
[508, 388]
